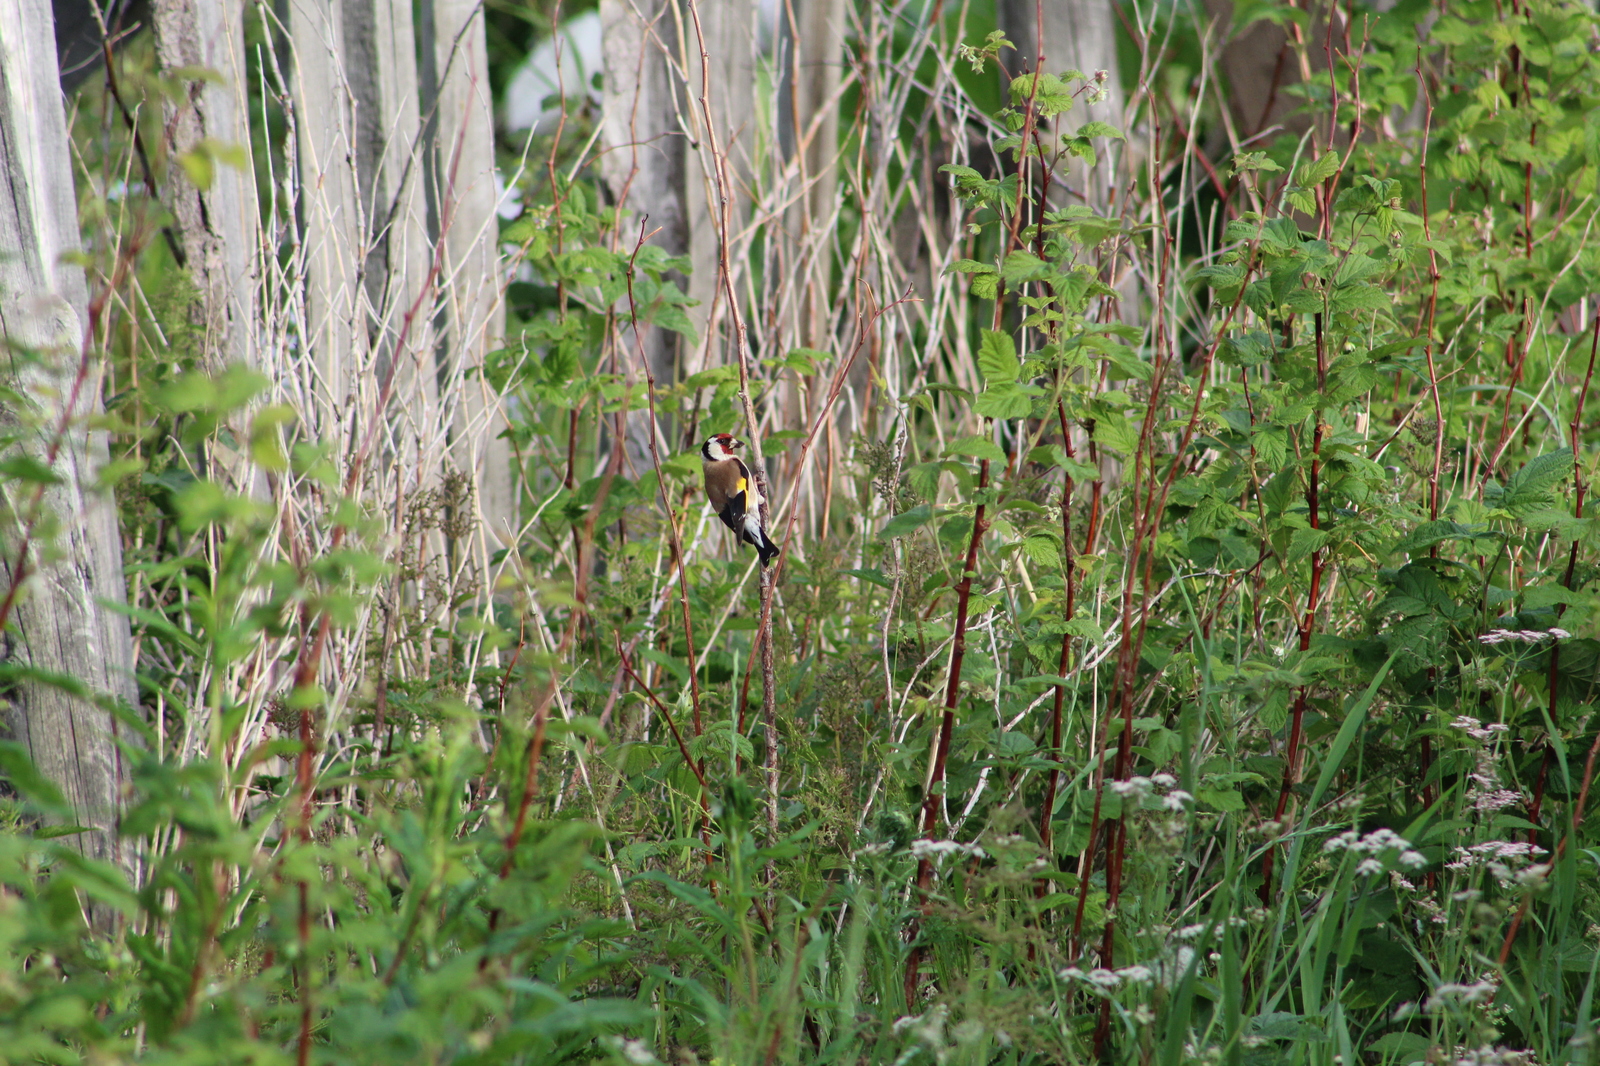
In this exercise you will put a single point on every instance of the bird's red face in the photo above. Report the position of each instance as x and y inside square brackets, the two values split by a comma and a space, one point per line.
[721, 446]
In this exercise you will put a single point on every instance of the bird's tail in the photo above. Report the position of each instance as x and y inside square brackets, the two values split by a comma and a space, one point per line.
[757, 538]
[767, 549]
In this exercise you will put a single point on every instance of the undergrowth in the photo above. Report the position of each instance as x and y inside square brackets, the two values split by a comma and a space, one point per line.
[1185, 633]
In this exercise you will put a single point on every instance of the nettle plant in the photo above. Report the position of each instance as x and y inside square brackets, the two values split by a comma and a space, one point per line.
[579, 292]
[1412, 353]
[1343, 468]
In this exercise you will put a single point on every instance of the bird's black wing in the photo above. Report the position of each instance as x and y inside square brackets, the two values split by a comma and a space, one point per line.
[732, 513]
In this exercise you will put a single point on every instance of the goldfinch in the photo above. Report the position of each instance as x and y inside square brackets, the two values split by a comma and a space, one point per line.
[733, 493]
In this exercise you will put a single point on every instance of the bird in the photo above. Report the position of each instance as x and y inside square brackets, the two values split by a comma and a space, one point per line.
[733, 493]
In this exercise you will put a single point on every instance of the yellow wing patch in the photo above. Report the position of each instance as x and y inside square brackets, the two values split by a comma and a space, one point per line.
[741, 487]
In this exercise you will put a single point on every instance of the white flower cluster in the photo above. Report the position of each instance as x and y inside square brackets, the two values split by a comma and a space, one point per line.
[1375, 844]
[1158, 786]
[1106, 981]
[938, 850]
[926, 1029]
[1422, 904]
[1485, 793]
[1480, 991]
[1522, 636]
[1493, 800]
[1167, 970]
[1234, 921]
[1474, 728]
[1492, 1056]
[1502, 850]
[1017, 851]
[632, 1051]
[1506, 859]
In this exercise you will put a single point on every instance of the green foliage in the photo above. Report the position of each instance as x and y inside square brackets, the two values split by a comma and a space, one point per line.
[1273, 723]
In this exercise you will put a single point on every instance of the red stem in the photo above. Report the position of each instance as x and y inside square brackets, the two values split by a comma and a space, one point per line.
[947, 726]
[1580, 490]
[1291, 757]
[1053, 780]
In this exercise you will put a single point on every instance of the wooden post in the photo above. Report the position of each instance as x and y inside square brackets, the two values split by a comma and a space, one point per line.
[381, 47]
[335, 237]
[59, 623]
[642, 142]
[719, 95]
[217, 223]
[474, 313]
[1078, 35]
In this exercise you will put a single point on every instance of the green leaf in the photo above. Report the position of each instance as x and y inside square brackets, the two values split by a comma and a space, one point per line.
[1320, 171]
[218, 393]
[266, 442]
[1128, 362]
[198, 168]
[672, 317]
[1100, 129]
[1081, 147]
[1225, 277]
[908, 522]
[872, 576]
[1357, 267]
[1222, 799]
[1022, 267]
[1402, 1048]
[108, 476]
[1281, 236]
[1245, 161]
[27, 469]
[1049, 94]
[997, 358]
[1550, 595]
[50, 832]
[1056, 455]
[804, 360]
[1005, 401]
[203, 503]
[685, 464]
[1283, 1025]
[1042, 549]
[1359, 297]
[1304, 542]
[25, 777]
[1300, 199]
[1087, 628]
[1278, 491]
[671, 663]
[1428, 534]
[1117, 433]
[962, 174]
[972, 266]
[978, 448]
[1538, 478]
